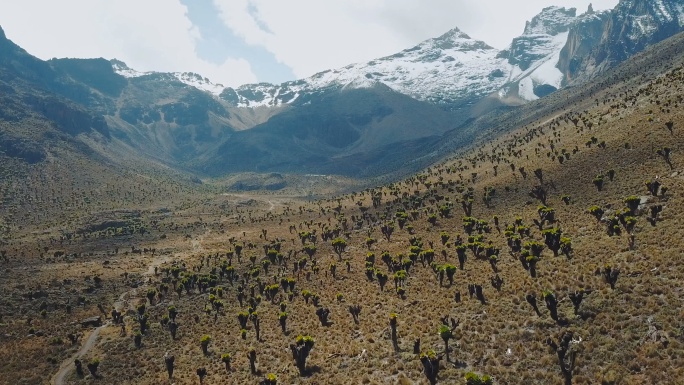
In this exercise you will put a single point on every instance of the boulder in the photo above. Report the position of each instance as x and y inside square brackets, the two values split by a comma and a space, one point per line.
[92, 322]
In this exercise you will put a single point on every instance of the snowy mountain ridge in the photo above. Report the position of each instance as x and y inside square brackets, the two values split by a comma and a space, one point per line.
[189, 78]
[449, 67]
[455, 69]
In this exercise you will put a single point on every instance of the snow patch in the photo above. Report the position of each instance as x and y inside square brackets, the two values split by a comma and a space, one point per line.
[646, 27]
[548, 72]
[680, 14]
[526, 89]
[188, 78]
[199, 82]
[362, 82]
[663, 10]
[543, 71]
[126, 72]
[503, 92]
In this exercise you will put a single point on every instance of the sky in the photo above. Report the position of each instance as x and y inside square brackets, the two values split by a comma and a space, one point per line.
[234, 42]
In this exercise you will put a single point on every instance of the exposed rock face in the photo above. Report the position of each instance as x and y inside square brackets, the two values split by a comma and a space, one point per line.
[539, 31]
[602, 40]
[70, 119]
[533, 56]
[583, 38]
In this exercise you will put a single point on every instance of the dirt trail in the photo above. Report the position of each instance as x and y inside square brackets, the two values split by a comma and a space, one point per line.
[68, 365]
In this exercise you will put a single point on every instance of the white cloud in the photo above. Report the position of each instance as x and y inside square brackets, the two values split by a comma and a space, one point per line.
[147, 35]
[313, 35]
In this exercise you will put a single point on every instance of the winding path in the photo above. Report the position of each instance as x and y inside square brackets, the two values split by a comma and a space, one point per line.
[68, 364]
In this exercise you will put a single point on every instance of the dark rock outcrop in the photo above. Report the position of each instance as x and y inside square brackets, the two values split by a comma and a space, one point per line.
[602, 40]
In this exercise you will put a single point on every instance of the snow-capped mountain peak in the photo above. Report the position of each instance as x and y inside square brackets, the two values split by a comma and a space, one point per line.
[453, 39]
[448, 68]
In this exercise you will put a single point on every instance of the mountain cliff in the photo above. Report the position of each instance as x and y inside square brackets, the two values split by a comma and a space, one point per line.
[599, 41]
[533, 56]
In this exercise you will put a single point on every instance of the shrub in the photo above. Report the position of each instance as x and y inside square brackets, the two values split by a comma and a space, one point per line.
[201, 373]
[226, 358]
[596, 212]
[632, 203]
[446, 334]
[551, 303]
[430, 363]
[204, 343]
[251, 355]
[93, 365]
[474, 379]
[301, 350]
[282, 318]
[339, 245]
[598, 182]
[271, 379]
[450, 270]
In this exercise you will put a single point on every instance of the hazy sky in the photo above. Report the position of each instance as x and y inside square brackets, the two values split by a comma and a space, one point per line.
[243, 41]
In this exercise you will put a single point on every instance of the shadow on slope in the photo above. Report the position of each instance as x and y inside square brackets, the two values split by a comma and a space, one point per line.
[355, 132]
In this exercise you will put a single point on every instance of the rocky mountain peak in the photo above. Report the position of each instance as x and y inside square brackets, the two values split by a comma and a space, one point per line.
[551, 21]
[454, 34]
[544, 37]
[646, 16]
[455, 69]
[453, 40]
[590, 9]
[602, 40]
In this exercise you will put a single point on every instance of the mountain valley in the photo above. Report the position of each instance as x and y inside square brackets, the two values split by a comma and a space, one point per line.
[186, 123]
[450, 214]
